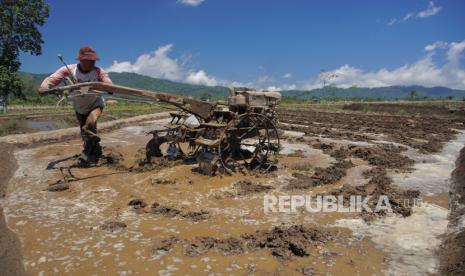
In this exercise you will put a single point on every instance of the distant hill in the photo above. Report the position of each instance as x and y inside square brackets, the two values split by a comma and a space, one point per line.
[161, 85]
[148, 83]
[220, 92]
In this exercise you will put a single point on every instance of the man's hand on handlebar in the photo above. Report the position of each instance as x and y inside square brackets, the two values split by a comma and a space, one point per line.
[55, 91]
[43, 91]
[80, 89]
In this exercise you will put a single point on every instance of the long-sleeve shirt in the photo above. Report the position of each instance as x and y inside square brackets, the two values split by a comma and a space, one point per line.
[85, 103]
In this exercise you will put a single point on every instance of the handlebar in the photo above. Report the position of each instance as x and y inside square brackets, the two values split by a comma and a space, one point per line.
[48, 91]
[82, 88]
[200, 108]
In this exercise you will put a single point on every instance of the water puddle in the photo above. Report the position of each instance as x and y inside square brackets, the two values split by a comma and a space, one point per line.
[432, 172]
[46, 125]
[411, 243]
[61, 232]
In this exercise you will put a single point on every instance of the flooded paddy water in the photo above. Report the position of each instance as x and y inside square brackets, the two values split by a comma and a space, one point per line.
[173, 220]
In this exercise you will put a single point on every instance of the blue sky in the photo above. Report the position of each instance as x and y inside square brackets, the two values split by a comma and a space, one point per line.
[267, 44]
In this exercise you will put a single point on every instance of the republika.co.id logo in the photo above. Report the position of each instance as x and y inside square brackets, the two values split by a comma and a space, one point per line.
[330, 203]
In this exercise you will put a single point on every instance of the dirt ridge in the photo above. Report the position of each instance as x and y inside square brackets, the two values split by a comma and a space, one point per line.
[11, 260]
[452, 254]
[283, 242]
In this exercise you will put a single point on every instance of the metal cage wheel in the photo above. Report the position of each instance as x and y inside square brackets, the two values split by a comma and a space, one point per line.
[249, 141]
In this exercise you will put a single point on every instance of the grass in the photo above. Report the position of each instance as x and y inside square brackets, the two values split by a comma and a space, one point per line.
[330, 106]
[131, 109]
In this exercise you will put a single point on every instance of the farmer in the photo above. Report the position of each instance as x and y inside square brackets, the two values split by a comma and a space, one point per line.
[88, 107]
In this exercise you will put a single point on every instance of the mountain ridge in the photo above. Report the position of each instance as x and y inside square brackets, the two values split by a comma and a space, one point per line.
[221, 92]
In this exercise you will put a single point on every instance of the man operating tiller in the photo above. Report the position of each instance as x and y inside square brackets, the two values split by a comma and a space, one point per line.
[88, 106]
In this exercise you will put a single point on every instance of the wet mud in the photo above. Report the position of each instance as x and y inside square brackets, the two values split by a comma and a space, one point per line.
[155, 163]
[283, 242]
[428, 110]
[380, 185]
[137, 203]
[171, 212]
[106, 215]
[112, 226]
[58, 187]
[321, 176]
[452, 255]
[381, 155]
[131, 216]
[246, 187]
[427, 134]
[10, 247]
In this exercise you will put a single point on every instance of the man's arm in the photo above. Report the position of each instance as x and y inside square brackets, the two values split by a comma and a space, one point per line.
[103, 76]
[54, 79]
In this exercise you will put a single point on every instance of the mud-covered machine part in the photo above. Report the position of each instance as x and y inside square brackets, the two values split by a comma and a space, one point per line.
[239, 136]
[219, 137]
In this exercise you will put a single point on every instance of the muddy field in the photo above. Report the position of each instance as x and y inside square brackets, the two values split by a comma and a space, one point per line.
[35, 123]
[122, 217]
[448, 109]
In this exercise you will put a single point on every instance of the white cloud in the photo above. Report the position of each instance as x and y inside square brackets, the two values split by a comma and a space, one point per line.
[264, 79]
[281, 87]
[193, 3]
[272, 88]
[436, 45]
[392, 21]
[156, 64]
[454, 54]
[270, 84]
[159, 64]
[423, 72]
[124, 66]
[266, 82]
[408, 16]
[201, 77]
[431, 10]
